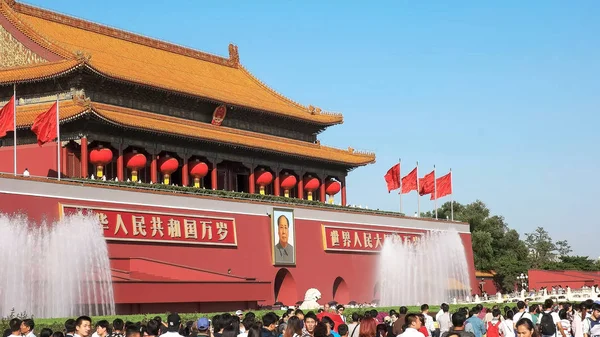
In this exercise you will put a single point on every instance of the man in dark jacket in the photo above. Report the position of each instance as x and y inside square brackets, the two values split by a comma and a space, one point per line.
[458, 322]
[398, 326]
[269, 328]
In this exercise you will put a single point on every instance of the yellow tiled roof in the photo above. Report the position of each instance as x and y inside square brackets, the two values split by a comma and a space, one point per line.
[129, 57]
[26, 114]
[37, 72]
[148, 121]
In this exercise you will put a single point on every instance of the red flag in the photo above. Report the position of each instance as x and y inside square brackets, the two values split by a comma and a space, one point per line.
[392, 178]
[409, 181]
[443, 185]
[44, 126]
[7, 117]
[427, 184]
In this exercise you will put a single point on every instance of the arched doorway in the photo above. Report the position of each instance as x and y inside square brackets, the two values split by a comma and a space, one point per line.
[341, 294]
[285, 288]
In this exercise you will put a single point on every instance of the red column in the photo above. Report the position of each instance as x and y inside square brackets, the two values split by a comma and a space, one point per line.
[277, 185]
[120, 163]
[251, 181]
[185, 173]
[153, 169]
[84, 157]
[322, 191]
[63, 162]
[343, 191]
[301, 187]
[213, 176]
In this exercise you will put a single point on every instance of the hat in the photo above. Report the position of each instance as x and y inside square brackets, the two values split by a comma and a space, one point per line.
[173, 322]
[203, 323]
[239, 313]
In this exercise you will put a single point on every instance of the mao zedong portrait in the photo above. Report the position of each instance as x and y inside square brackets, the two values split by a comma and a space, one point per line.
[284, 251]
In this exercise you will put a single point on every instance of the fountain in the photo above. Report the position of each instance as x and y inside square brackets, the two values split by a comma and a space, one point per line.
[431, 270]
[57, 270]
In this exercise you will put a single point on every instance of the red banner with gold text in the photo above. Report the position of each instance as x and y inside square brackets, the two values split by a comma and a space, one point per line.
[133, 225]
[347, 239]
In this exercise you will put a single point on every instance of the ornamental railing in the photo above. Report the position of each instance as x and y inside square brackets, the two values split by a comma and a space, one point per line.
[194, 191]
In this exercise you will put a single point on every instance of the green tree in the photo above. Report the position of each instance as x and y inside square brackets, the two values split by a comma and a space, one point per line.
[573, 263]
[563, 248]
[541, 248]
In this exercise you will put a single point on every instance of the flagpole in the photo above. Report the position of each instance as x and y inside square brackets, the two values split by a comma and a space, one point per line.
[15, 127]
[435, 193]
[400, 179]
[451, 198]
[418, 193]
[58, 137]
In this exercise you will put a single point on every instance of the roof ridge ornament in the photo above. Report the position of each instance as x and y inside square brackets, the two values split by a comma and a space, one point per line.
[314, 110]
[11, 3]
[82, 56]
[81, 99]
[234, 55]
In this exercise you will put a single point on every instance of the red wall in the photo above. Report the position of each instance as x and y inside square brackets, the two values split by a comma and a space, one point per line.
[252, 257]
[40, 161]
[572, 278]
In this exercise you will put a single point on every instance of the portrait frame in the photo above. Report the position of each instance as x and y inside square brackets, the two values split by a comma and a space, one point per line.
[276, 250]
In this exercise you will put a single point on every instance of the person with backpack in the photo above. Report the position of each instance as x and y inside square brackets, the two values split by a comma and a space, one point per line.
[550, 322]
[493, 326]
[521, 314]
[507, 327]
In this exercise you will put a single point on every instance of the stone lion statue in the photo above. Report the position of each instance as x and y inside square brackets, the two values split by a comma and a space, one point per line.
[310, 299]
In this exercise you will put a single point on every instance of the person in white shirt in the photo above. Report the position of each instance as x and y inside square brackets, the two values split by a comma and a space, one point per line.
[428, 319]
[354, 327]
[27, 327]
[173, 326]
[83, 326]
[578, 318]
[26, 173]
[413, 324]
[522, 313]
[444, 318]
[507, 326]
[15, 327]
[558, 329]
[101, 329]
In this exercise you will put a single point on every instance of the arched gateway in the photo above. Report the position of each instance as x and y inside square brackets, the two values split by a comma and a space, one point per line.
[341, 294]
[285, 287]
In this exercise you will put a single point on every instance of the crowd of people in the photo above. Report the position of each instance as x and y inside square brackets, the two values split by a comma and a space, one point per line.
[523, 320]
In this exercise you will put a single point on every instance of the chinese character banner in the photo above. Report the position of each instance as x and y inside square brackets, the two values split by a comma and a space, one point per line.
[130, 225]
[361, 240]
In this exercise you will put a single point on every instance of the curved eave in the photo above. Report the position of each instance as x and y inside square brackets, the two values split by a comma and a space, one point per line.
[39, 72]
[68, 111]
[320, 119]
[230, 137]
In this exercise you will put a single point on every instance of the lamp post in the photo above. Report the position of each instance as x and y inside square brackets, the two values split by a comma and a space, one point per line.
[523, 279]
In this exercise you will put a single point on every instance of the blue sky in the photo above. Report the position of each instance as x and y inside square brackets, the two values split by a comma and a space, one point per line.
[506, 94]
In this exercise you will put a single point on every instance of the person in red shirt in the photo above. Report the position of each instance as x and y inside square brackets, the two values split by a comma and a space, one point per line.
[423, 328]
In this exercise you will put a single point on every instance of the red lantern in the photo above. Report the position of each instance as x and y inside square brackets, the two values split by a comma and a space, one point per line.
[288, 182]
[134, 161]
[198, 170]
[167, 165]
[332, 188]
[263, 178]
[310, 185]
[100, 157]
